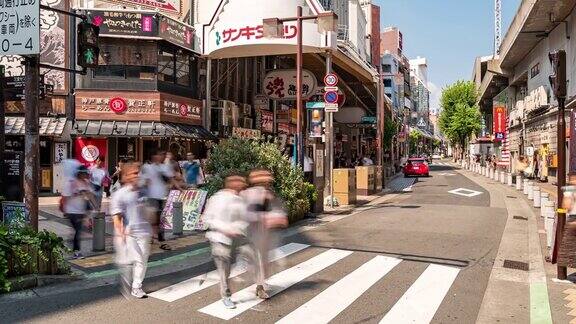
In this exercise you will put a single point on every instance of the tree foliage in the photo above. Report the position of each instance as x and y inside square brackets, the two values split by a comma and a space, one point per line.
[239, 156]
[460, 117]
[390, 129]
[414, 139]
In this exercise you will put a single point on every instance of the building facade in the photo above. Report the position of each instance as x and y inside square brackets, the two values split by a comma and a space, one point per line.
[420, 93]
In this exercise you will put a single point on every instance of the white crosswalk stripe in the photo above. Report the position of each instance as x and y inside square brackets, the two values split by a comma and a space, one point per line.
[422, 299]
[418, 304]
[279, 282]
[329, 303]
[190, 286]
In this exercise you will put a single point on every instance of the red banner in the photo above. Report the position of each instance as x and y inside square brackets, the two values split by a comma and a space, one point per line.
[87, 150]
[499, 123]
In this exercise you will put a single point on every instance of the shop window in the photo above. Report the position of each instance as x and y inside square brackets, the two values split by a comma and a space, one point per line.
[45, 152]
[140, 72]
[183, 69]
[535, 70]
[166, 63]
[110, 71]
[386, 68]
[387, 83]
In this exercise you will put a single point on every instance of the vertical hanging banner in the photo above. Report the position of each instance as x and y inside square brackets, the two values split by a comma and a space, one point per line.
[572, 161]
[499, 123]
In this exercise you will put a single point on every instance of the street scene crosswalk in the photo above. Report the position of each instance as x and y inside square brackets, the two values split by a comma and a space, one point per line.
[418, 304]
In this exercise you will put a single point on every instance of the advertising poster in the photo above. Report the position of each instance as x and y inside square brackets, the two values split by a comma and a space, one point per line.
[499, 126]
[315, 120]
[192, 206]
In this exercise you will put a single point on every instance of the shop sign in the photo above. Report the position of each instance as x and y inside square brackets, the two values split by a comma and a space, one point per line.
[15, 214]
[176, 32]
[89, 149]
[98, 104]
[118, 105]
[266, 121]
[247, 33]
[60, 152]
[281, 84]
[181, 109]
[171, 6]
[536, 99]
[261, 102]
[499, 119]
[124, 23]
[246, 133]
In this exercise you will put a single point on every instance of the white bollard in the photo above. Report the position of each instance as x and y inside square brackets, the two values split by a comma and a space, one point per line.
[509, 180]
[518, 182]
[496, 175]
[549, 221]
[503, 177]
[544, 196]
[485, 172]
[536, 196]
[530, 190]
[525, 186]
[491, 174]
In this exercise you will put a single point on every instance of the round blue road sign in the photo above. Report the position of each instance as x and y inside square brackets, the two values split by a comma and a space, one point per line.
[331, 97]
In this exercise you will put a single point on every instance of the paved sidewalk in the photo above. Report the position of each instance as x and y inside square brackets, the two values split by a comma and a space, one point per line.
[524, 239]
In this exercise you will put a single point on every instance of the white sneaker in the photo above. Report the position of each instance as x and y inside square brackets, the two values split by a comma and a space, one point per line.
[138, 293]
[78, 255]
[228, 303]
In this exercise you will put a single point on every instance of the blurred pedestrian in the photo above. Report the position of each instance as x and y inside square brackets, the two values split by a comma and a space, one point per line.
[157, 177]
[116, 176]
[192, 169]
[264, 215]
[224, 215]
[100, 179]
[77, 199]
[132, 231]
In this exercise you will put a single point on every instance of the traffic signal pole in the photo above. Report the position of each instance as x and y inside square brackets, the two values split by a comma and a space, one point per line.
[31, 139]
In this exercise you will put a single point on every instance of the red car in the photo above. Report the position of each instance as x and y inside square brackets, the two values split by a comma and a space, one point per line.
[416, 167]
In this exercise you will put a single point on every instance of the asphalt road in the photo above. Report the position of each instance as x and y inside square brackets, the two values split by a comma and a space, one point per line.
[424, 256]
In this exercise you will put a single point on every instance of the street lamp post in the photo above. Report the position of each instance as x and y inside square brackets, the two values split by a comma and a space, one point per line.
[273, 28]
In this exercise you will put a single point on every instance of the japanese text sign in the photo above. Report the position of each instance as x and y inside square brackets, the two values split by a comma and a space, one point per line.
[19, 27]
[281, 84]
[124, 23]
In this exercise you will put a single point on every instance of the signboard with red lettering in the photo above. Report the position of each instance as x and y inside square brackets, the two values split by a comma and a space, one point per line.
[499, 121]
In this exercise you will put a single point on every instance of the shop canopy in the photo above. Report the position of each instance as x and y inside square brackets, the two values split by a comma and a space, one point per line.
[108, 128]
[49, 126]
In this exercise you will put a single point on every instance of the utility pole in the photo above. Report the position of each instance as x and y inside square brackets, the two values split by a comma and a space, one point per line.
[329, 135]
[300, 136]
[2, 131]
[31, 139]
[559, 88]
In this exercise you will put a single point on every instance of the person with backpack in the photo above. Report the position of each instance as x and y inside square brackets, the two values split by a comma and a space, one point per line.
[132, 231]
[77, 198]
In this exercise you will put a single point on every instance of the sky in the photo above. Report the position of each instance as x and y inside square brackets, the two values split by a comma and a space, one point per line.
[449, 33]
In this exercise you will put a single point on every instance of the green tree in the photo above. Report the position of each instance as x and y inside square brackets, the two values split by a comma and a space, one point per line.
[390, 129]
[414, 138]
[460, 117]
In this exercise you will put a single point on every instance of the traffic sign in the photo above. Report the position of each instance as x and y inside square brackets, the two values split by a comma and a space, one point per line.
[326, 89]
[421, 122]
[331, 107]
[20, 27]
[330, 80]
[331, 97]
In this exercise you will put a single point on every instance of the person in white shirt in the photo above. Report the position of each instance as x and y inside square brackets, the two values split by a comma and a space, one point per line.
[308, 168]
[224, 215]
[366, 161]
[100, 179]
[156, 177]
[77, 194]
[132, 231]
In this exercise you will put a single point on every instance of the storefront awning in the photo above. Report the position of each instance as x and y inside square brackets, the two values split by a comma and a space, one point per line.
[140, 129]
[49, 126]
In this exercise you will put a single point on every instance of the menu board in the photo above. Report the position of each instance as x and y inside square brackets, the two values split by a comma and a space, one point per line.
[193, 201]
[13, 174]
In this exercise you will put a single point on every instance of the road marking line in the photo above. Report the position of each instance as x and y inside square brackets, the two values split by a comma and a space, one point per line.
[336, 298]
[465, 192]
[422, 299]
[203, 281]
[279, 282]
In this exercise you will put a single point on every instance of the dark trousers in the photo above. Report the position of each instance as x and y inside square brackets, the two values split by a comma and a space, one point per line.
[158, 204]
[76, 220]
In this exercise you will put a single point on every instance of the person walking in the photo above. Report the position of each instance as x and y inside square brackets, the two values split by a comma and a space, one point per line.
[100, 179]
[224, 215]
[132, 231]
[192, 169]
[77, 197]
[264, 215]
[156, 177]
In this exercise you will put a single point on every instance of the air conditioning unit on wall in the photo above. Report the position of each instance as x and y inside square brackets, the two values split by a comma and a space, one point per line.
[247, 110]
